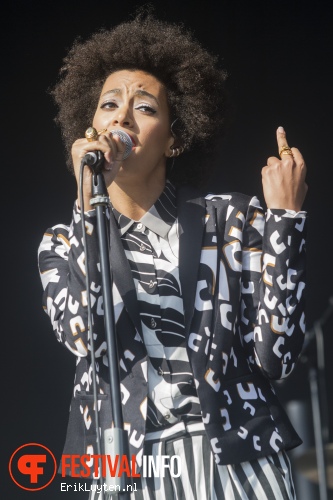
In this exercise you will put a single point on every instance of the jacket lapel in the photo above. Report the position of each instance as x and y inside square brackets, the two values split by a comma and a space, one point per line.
[122, 275]
[191, 217]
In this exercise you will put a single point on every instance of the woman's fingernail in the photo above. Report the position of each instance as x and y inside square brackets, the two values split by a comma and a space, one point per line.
[281, 130]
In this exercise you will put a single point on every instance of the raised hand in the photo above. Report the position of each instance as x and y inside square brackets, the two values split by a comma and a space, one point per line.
[284, 179]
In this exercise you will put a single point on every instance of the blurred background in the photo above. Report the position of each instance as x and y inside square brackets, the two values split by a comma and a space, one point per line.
[279, 58]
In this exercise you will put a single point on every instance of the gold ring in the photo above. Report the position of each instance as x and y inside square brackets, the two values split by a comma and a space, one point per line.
[285, 150]
[100, 132]
[91, 134]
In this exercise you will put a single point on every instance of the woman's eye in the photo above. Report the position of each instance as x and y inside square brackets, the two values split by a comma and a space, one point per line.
[146, 108]
[108, 104]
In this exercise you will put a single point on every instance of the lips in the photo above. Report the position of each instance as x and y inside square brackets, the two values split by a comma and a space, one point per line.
[133, 141]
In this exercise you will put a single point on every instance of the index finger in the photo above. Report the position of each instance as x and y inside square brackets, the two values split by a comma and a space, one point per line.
[281, 139]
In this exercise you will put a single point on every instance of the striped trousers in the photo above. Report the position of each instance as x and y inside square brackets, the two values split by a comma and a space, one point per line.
[267, 478]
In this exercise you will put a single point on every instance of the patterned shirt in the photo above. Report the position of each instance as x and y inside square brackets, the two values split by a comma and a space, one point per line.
[151, 246]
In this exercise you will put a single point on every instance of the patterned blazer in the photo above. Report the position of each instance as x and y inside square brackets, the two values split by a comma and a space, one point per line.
[242, 276]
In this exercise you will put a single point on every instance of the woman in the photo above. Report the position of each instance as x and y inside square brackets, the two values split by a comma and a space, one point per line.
[208, 290]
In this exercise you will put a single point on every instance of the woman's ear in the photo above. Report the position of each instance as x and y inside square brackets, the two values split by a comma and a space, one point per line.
[174, 150]
[174, 147]
[170, 145]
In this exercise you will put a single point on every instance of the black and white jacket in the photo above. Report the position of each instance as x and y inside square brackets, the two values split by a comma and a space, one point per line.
[242, 276]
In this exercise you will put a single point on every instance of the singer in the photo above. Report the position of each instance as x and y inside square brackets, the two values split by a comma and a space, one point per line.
[208, 288]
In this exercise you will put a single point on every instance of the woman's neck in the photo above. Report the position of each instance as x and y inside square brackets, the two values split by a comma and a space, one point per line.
[135, 199]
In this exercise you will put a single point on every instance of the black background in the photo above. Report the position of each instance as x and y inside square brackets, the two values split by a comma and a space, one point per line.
[279, 58]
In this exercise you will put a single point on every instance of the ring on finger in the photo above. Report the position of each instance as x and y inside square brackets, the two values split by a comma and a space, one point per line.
[285, 150]
[91, 134]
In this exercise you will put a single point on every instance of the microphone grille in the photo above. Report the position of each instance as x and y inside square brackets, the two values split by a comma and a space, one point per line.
[125, 138]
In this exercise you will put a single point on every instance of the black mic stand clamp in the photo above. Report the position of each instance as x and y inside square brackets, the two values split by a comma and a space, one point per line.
[116, 438]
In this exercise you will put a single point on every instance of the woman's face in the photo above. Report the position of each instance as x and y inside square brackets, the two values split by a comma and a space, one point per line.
[136, 102]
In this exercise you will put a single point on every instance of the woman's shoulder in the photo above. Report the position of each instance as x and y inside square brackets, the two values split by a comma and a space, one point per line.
[242, 202]
[235, 198]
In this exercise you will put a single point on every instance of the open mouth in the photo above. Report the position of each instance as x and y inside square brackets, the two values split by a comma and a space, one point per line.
[133, 141]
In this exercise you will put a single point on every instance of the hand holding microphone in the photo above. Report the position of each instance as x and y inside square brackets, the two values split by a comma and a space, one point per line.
[95, 158]
[108, 150]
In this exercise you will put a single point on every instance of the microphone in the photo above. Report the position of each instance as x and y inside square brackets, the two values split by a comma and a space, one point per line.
[125, 139]
[95, 158]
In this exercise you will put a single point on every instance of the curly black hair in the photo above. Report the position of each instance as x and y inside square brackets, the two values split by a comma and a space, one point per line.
[194, 83]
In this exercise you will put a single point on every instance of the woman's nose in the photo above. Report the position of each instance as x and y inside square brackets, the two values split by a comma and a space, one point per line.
[123, 117]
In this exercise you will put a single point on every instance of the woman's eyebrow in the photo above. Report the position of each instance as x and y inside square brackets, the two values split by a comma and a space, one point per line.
[112, 91]
[138, 92]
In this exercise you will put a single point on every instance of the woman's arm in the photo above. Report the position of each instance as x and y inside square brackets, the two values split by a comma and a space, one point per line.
[61, 260]
[272, 321]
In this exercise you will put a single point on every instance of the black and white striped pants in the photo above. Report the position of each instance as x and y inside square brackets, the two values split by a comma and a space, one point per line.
[267, 478]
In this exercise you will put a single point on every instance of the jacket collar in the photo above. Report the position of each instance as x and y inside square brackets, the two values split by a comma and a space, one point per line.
[159, 218]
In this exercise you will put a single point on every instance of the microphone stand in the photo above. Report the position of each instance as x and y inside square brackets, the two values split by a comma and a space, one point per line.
[116, 438]
[316, 374]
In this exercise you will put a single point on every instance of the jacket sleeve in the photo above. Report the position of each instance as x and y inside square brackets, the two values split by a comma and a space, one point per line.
[272, 319]
[61, 261]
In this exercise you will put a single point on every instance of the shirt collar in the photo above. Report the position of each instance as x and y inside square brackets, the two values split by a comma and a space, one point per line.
[159, 218]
